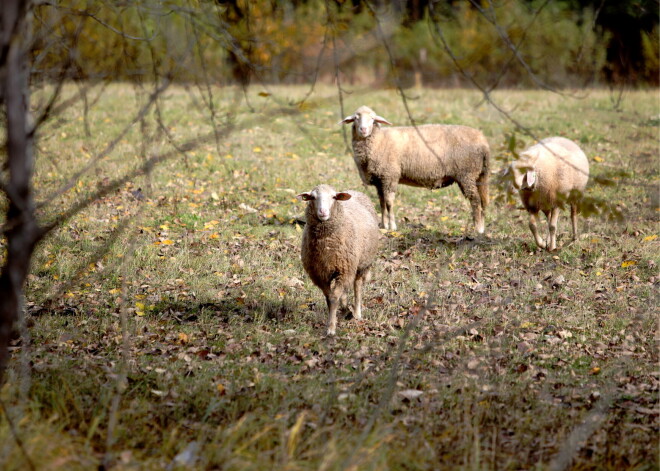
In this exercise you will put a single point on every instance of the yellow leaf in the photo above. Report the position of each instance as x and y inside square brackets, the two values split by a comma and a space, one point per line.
[650, 238]
[215, 235]
[595, 370]
[598, 158]
[444, 218]
[114, 291]
[140, 306]
[221, 389]
[256, 150]
[526, 325]
[628, 263]
[229, 156]
[183, 338]
[298, 229]
[167, 242]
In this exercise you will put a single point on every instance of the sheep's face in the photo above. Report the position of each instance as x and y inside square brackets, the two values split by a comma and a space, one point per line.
[322, 199]
[524, 178]
[363, 121]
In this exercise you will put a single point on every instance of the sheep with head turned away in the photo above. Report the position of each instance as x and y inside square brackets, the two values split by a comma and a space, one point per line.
[429, 156]
[339, 245]
[547, 175]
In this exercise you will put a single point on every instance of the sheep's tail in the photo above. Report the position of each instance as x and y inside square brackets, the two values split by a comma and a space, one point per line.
[482, 180]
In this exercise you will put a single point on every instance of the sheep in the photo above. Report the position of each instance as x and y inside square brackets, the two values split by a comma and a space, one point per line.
[546, 175]
[339, 245]
[429, 156]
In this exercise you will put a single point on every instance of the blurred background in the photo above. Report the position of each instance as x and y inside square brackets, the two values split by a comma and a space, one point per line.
[446, 43]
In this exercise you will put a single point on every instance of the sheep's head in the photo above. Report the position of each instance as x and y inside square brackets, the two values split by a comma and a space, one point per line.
[363, 121]
[322, 199]
[524, 175]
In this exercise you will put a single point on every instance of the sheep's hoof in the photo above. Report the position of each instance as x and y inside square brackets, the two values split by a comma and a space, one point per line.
[330, 334]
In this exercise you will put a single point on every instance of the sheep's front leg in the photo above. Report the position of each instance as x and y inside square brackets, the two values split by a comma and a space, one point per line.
[333, 304]
[552, 229]
[389, 202]
[334, 297]
[574, 212]
[533, 226]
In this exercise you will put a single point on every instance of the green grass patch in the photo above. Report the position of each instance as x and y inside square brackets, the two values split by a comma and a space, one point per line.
[221, 361]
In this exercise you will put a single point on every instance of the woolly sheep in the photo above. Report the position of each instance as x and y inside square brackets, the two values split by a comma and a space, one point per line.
[429, 156]
[339, 245]
[547, 174]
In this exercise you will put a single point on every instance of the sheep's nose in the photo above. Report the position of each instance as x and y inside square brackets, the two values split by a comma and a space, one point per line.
[363, 130]
[324, 213]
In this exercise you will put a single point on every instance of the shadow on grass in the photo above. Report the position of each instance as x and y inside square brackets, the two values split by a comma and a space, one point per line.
[422, 239]
[232, 307]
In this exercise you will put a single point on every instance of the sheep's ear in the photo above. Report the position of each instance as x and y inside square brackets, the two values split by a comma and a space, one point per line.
[380, 119]
[347, 119]
[343, 196]
[530, 179]
[305, 197]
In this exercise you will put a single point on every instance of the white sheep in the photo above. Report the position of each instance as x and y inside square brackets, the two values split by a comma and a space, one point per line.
[429, 156]
[548, 174]
[339, 245]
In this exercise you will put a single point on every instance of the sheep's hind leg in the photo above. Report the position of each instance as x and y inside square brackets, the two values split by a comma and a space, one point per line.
[472, 194]
[389, 202]
[533, 226]
[383, 207]
[552, 229]
[360, 279]
[574, 212]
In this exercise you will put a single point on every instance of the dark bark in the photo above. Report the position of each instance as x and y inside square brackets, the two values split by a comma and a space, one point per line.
[21, 231]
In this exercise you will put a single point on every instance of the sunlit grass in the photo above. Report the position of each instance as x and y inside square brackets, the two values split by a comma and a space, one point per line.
[226, 346]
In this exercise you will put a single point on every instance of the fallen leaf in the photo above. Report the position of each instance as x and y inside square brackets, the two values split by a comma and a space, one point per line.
[411, 394]
[628, 263]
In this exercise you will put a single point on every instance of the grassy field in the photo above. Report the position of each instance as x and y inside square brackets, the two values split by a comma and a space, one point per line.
[171, 323]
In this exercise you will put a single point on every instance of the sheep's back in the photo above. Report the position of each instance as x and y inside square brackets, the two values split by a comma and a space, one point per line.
[434, 151]
[561, 167]
[362, 215]
[571, 167]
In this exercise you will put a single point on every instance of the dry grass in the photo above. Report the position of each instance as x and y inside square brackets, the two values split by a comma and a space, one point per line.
[523, 359]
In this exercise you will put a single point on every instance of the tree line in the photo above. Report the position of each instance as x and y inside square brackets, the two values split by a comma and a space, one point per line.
[568, 43]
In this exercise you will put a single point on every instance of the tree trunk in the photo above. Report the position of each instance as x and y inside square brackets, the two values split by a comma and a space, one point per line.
[21, 230]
